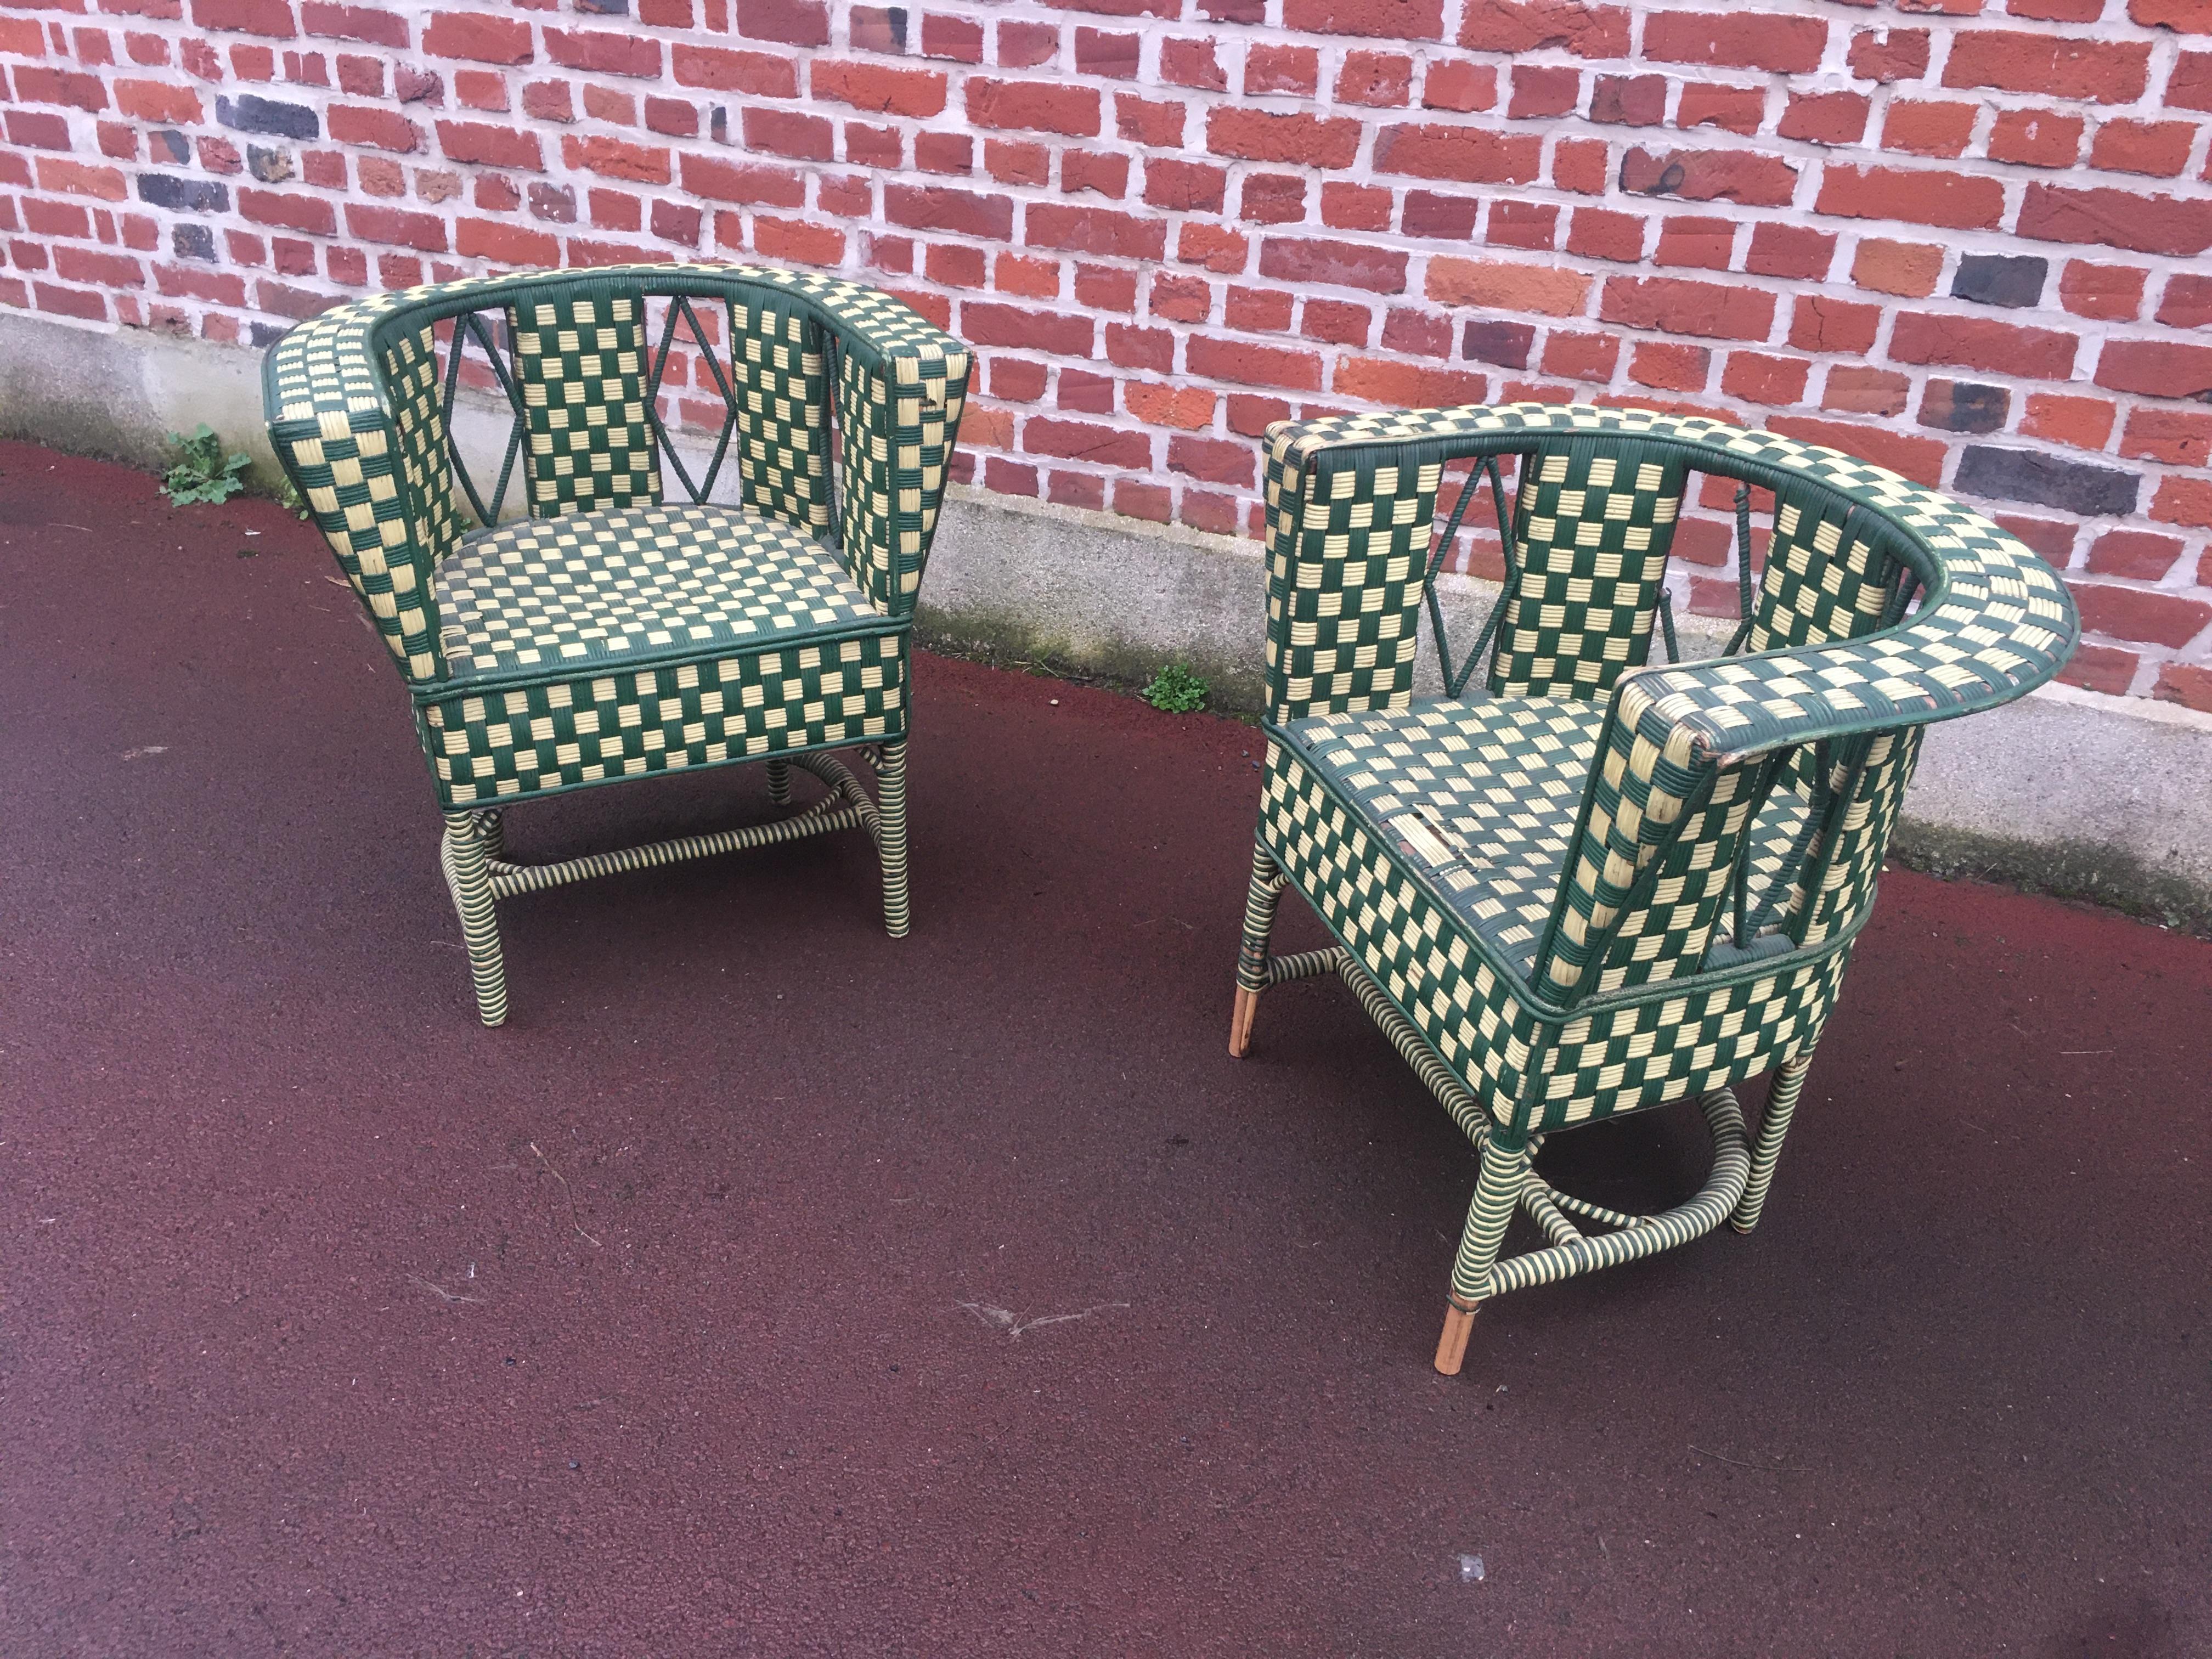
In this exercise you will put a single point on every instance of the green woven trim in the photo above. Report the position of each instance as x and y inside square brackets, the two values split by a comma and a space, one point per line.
[490, 747]
[579, 356]
[1995, 622]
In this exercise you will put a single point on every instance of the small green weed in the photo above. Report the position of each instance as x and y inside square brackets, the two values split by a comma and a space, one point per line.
[1175, 690]
[205, 474]
[289, 497]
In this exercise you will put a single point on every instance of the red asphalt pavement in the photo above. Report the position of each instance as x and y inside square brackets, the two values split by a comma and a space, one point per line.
[661, 1322]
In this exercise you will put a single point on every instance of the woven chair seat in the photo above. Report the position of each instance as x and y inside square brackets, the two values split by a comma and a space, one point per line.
[622, 586]
[1480, 800]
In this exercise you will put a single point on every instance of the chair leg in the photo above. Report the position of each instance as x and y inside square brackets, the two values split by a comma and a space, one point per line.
[491, 831]
[779, 782]
[462, 855]
[1765, 1151]
[1261, 899]
[1497, 1194]
[890, 845]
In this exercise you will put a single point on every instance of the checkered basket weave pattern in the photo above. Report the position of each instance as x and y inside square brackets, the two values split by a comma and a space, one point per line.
[580, 352]
[614, 632]
[780, 369]
[1606, 885]
[1594, 529]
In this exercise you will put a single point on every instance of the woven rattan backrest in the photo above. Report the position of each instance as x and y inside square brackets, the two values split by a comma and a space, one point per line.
[580, 353]
[1655, 837]
[1663, 843]
[359, 403]
[411, 375]
[1831, 573]
[778, 360]
[1593, 523]
[1865, 785]
[1347, 552]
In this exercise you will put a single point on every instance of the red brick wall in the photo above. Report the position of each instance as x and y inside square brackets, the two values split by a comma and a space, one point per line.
[1965, 238]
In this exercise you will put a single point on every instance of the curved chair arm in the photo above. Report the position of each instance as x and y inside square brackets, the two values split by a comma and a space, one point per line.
[1994, 621]
[1677, 766]
[357, 419]
[332, 424]
[902, 386]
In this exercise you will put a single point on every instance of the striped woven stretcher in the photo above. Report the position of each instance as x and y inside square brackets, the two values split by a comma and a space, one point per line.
[625, 623]
[1596, 884]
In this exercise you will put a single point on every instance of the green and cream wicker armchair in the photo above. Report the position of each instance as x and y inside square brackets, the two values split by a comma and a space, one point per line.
[1604, 886]
[615, 629]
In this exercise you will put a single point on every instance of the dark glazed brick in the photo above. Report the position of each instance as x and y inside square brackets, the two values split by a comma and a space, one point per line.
[1506, 344]
[557, 205]
[606, 8]
[1638, 100]
[878, 28]
[192, 242]
[272, 167]
[1963, 406]
[2022, 475]
[164, 190]
[2000, 279]
[247, 113]
[179, 147]
[267, 334]
[1428, 215]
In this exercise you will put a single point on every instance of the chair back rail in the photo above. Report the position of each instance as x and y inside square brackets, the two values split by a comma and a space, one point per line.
[1804, 737]
[840, 403]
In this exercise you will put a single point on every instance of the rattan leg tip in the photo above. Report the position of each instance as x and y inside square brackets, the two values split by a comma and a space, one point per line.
[1451, 1346]
[1240, 1022]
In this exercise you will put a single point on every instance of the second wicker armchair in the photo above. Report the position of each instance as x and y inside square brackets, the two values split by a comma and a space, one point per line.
[1594, 886]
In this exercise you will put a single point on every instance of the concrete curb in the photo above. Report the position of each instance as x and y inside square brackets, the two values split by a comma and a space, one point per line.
[2068, 792]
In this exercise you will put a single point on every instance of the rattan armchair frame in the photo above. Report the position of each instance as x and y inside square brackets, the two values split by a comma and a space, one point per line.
[839, 409]
[1604, 885]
